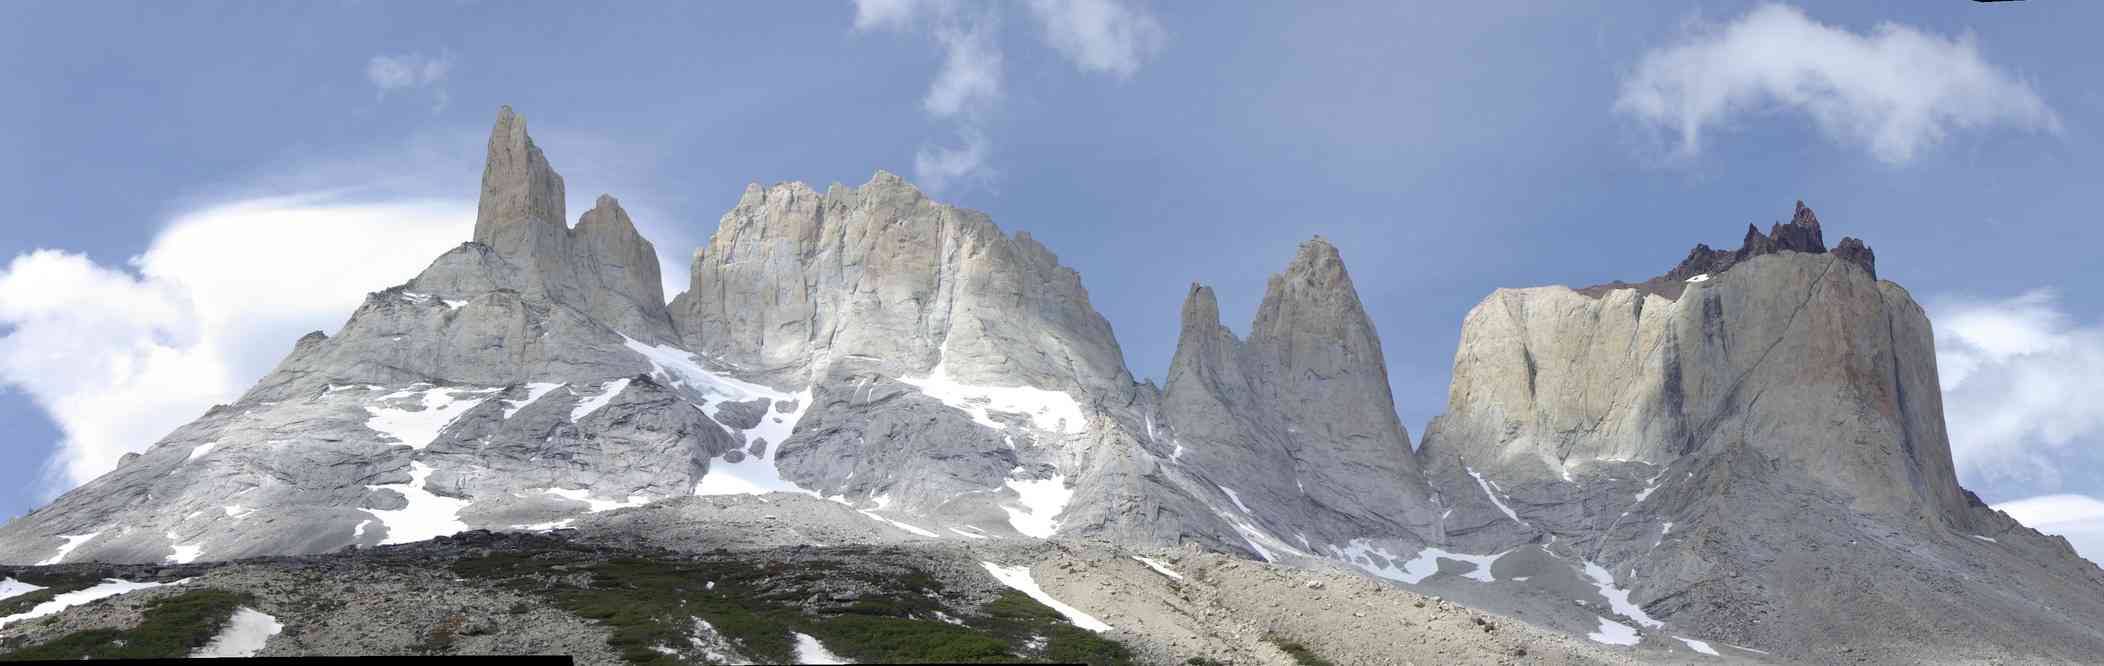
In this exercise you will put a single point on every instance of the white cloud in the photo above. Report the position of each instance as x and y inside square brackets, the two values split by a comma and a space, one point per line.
[411, 71]
[886, 14]
[1896, 90]
[119, 356]
[940, 167]
[1096, 35]
[969, 84]
[965, 92]
[1100, 35]
[2021, 380]
[2080, 518]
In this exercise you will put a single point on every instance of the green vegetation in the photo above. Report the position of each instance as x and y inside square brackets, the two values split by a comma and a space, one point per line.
[758, 606]
[1300, 653]
[173, 627]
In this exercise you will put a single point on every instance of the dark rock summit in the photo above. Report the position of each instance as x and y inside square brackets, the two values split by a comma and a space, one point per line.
[1800, 234]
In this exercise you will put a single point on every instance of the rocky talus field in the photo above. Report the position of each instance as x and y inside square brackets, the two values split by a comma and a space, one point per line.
[878, 428]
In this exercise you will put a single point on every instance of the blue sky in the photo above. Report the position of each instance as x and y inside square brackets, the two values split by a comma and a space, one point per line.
[1447, 149]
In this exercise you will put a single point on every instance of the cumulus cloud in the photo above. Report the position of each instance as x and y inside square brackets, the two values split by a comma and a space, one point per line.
[411, 71]
[1895, 90]
[2021, 379]
[1100, 35]
[119, 355]
[2080, 518]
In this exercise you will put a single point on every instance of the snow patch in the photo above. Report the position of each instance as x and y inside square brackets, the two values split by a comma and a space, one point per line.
[109, 587]
[1618, 598]
[965, 534]
[714, 649]
[1613, 633]
[1041, 501]
[1237, 498]
[66, 548]
[597, 505]
[427, 516]
[1018, 577]
[810, 651]
[331, 389]
[534, 391]
[756, 474]
[236, 511]
[417, 429]
[244, 635]
[882, 501]
[201, 450]
[1987, 539]
[1699, 278]
[14, 588]
[607, 391]
[1698, 646]
[1379, 562]
[358, 532]
[1649, 486]
[184, 554]
[1048, 410]
[1485, 484]
[1159, 567]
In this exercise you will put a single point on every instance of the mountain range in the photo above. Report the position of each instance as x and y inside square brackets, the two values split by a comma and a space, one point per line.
[1747, 451]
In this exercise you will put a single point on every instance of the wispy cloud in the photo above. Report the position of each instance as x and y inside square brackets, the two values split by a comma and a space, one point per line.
[965, 93]
[1100, 35]
[1095, 35]
[1895, 90]
[411, 71]
[2021, 379]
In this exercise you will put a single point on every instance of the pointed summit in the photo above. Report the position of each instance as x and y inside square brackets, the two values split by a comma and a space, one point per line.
[617, 263]
[518, 186]
[1300, 411]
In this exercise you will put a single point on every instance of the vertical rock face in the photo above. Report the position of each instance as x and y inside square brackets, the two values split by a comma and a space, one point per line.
[1297, 422]
[617, 272]
[796, 283]
[520, 192]
[1782, 403]
[1799, 354]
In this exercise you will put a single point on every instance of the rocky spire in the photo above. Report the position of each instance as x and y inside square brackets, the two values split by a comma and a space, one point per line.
[1299, 411]
[519, 189]
[621, 260]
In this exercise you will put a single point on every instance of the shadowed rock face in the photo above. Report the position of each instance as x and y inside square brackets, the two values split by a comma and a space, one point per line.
[1298, 420]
